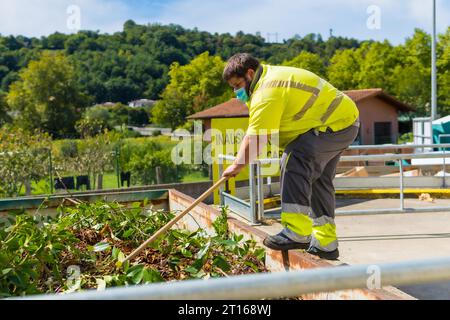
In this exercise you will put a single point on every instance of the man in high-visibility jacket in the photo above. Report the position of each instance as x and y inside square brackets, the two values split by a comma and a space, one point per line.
[315, 123]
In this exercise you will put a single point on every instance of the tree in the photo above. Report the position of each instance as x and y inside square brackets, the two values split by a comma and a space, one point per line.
[95, 119]
[88, 127]
[138, 117]
[23, 158]
[91, 156]
[309, 61]
[377, 62]
[411, 79]
[192, 88]
[47, 95]
[344, 69]
[4, 117]
[144, 168]
[443, 66]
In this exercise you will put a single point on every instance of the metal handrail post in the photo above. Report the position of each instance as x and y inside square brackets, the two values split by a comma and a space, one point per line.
[220, 164]
[443, 171]
[50, 170]
[260, 179]
[402, 196]
[253, 194]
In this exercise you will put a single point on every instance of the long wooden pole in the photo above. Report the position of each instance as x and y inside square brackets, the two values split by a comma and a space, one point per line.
[175, 220]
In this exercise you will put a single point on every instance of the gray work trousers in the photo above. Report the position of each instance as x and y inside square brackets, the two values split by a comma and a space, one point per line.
[308, 167]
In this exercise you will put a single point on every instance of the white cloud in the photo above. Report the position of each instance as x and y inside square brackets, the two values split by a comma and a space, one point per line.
[36, 18]
[287, 17]
[421, 11]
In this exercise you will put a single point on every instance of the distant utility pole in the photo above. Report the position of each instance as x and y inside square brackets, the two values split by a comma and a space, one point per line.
[331, 33]
[433, 72]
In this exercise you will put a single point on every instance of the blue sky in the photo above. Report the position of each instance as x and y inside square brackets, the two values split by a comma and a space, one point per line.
[285, 17]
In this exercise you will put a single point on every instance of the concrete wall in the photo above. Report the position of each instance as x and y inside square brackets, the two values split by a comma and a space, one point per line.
[376, 110]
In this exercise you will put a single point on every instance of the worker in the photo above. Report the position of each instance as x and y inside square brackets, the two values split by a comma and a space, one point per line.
[315, 123]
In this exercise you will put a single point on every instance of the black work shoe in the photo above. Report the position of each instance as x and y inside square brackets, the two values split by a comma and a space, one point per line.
[333, 255]
[283, 243]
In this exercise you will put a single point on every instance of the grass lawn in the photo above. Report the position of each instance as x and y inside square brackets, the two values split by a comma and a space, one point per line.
[195, 177]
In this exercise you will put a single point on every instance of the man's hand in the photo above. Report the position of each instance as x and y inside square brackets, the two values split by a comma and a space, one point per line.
[233, 170]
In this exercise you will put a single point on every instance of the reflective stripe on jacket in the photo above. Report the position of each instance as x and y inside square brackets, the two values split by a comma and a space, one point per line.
[294, 101]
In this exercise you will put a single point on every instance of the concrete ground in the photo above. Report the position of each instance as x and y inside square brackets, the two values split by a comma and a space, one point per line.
[384, 238]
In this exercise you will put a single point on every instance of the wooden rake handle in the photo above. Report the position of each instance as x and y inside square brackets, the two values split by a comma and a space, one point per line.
[175, 220]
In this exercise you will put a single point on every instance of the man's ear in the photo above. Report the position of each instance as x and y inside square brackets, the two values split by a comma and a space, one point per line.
[251, 73]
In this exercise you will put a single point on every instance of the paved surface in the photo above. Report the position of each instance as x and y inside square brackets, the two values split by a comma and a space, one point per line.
[371, 239]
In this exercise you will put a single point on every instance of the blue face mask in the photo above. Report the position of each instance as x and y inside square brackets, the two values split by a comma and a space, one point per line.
[242, 95]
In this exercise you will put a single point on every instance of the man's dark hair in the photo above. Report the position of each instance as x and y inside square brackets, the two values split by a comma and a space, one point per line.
[238, 65]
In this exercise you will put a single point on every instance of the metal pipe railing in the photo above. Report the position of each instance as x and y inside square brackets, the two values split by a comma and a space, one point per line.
[281, 284]
[399, 146]
[394, 157]
[258, 216]
[373, 157]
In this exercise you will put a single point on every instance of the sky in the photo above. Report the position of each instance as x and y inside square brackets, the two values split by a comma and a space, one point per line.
[362, 19]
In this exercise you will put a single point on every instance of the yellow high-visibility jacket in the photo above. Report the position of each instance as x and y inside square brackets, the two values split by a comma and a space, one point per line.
[294, 101]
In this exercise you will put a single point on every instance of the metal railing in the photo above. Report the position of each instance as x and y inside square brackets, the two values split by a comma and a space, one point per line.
[254, 211]
[281, 284]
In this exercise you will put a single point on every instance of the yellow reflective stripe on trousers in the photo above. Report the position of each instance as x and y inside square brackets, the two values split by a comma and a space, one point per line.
[299, 223]
[324, 234]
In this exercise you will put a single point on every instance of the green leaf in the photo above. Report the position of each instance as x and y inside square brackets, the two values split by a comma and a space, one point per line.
[222, 263]
[203, 251]
[123, 223]
[136, 273]
[191, 270]
[115, 253]
[228, 243]
[152, 275]
[260, 254]
[198, 264]
[186, 253]
[6, 271]
[101, 246]
[178, 234]
[193, 234]
[252, 265]
[59, 246]
[136, 205]
[174, 261]
[128, 233]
